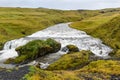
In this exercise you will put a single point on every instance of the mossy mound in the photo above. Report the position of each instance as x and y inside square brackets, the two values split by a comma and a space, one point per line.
[97, 70]
[35, 49]
[71, 61]
[110, 67]
[72, 48]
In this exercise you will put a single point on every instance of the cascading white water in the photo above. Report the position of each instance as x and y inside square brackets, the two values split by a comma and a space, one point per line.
[63, 34]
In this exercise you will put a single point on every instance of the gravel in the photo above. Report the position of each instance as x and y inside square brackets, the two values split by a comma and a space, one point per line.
[14, 74]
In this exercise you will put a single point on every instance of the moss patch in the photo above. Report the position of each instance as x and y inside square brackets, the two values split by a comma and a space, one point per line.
[103, 67]
[71, 61]
[72, 48]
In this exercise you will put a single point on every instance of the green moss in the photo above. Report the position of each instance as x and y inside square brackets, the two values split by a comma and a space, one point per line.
[38, 74]
[71, 61]
[117, 54]
[20, 59]
[35, 49]
[8, 61]
[55, 45]
[103, 67]
[72, 48]
[97, 70]
[105, 27]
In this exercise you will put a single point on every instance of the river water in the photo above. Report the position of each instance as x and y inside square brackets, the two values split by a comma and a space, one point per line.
[61, 33]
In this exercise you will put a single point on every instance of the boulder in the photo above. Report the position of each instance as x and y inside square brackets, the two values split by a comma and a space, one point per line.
[70, 48]
[35, 49]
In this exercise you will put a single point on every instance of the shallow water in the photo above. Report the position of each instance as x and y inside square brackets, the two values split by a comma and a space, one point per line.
[63, 34]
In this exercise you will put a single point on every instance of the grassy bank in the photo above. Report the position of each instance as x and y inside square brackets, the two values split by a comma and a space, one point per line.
[106, 27]
[97, 70]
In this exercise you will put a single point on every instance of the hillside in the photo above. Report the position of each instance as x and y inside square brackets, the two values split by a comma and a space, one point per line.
[105, 27]
[83, 65]
[19, 22]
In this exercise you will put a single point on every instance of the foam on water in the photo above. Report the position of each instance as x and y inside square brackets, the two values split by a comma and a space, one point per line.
[63, 34]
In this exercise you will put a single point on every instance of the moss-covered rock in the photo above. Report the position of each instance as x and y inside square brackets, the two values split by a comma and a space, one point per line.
[72, 48]
[71, 61]
[8, 61]
[55, 45]
[35, 49]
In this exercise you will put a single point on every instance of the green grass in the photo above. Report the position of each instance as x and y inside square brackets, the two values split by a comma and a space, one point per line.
[71, 61]
[89, 24]
[19, 22]
[72, 48]
[103, 66]
[97, 70]
[104, 24]
[109, 33]
[106, 27]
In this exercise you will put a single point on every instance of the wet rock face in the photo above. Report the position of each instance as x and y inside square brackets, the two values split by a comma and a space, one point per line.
[64, 49]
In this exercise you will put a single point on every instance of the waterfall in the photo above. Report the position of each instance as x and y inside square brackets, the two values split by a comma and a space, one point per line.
[61, 33]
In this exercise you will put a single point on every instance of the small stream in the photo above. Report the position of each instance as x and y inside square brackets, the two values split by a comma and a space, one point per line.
[61, 33]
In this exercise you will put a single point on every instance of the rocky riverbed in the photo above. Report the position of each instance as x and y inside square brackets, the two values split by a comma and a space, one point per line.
[15, 74]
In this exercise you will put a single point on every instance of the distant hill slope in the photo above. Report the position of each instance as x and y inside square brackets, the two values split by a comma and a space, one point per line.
[110, 33]
[105, 27]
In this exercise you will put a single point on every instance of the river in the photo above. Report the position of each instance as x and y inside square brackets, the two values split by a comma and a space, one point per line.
[61, 33]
